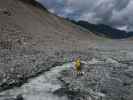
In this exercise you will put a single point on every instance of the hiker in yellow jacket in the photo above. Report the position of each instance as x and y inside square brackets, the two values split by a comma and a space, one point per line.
[78, 65]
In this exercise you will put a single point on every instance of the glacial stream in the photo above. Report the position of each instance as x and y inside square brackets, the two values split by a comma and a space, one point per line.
[39, 88]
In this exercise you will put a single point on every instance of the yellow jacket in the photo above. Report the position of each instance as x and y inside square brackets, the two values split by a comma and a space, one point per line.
[78, 65]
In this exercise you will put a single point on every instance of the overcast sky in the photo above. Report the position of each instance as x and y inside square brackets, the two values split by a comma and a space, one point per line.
[116, 13]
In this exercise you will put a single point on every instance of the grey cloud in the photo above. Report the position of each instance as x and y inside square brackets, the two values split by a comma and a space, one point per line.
[116, 13]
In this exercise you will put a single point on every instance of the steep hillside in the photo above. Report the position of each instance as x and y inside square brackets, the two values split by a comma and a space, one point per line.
[44, 28]
[30, 36]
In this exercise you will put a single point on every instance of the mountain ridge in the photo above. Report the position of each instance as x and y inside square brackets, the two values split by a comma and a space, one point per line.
[104, 30]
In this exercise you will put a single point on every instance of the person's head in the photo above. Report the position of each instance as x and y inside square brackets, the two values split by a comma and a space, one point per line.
[78, 60]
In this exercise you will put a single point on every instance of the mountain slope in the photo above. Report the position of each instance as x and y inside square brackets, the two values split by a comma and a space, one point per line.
[105, 30]
[42, 24]
[31, 38]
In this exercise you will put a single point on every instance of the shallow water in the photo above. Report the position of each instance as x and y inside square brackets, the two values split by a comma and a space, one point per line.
[41, 87]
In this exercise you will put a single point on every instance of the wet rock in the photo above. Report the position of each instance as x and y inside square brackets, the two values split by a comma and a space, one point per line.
[129, 73]
[19, 97]
[5, 12]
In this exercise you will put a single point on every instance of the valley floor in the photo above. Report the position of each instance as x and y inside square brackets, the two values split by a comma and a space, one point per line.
[108, 75]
